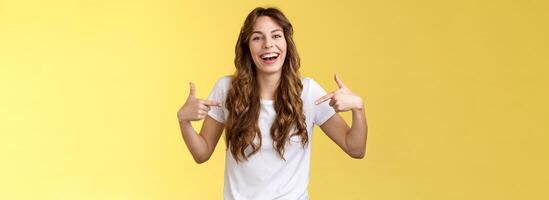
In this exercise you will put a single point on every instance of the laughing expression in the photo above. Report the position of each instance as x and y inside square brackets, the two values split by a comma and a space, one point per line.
[267, 46]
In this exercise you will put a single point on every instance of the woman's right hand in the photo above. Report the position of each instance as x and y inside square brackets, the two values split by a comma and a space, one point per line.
[195, 109]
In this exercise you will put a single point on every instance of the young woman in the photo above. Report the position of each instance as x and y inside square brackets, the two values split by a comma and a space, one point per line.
[268, 113]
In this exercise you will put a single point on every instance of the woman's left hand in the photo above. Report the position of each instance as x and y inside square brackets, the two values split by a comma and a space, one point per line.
[342, 99]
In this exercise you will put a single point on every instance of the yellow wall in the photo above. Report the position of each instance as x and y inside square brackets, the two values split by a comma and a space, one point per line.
[455, 91]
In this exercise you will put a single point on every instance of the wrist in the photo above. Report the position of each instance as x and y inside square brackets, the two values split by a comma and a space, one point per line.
[185, 124]
[183, 120]
[359, 104]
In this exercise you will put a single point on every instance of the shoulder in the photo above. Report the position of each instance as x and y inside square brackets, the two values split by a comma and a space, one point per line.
[223, 83]
[311, 89]
[224, 80]
[306, 81]
[309, 83]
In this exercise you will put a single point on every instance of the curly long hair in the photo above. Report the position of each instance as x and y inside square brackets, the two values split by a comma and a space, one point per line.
[243, 100]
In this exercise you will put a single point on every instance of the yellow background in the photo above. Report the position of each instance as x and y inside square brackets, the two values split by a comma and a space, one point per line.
[455, 92]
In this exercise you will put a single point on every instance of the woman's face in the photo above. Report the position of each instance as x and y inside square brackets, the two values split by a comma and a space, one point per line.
[267, 45]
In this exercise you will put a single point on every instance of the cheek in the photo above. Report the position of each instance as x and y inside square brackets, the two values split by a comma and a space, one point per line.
[283, 48]
[283, 45]
[254, 49]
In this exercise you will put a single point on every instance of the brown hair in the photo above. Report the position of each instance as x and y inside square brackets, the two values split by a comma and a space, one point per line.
[243, 101]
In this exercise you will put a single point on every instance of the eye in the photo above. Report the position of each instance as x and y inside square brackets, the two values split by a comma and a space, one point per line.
[255, 38]
[277, 36]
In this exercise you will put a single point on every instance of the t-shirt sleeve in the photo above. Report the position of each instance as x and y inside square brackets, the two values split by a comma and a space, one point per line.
[218, 93]
[323, 111]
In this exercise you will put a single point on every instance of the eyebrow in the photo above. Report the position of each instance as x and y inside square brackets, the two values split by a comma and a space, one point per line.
[271, 31]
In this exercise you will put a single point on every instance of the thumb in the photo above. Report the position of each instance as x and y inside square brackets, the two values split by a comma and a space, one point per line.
[338, 81]
[192, 91]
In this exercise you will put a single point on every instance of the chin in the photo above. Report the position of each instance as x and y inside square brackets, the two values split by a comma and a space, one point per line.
[269, 69]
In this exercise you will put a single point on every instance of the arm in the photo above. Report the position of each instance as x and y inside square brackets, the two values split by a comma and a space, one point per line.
[351, 140]
[200, 145]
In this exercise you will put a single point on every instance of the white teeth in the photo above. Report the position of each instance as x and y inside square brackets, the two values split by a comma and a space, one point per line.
[269, 55]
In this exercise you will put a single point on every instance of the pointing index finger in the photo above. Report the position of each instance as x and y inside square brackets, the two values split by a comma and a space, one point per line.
[324, 98]
[211, 103]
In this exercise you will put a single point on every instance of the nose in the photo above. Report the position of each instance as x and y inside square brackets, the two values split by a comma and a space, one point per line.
[268, 43]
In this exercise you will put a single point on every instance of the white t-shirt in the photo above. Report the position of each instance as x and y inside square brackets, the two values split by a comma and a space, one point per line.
[265, 175]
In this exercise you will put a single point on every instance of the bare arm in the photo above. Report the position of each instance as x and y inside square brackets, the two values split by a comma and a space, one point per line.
[351, 140]
[200, 145]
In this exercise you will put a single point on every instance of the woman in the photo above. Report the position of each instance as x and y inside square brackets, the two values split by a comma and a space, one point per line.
[268, 113]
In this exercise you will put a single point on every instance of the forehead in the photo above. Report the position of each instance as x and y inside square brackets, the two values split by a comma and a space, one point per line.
[265, 24]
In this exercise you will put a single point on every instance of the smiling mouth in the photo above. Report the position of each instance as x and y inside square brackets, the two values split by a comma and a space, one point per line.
[269, 56]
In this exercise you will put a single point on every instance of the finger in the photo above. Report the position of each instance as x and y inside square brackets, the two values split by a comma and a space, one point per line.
[332, 102]
[338, 81]
[204, 108]
[211, 103]
[324, 98]
[192, 92]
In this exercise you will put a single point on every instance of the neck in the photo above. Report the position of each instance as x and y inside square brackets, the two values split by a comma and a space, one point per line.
[268, 83]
